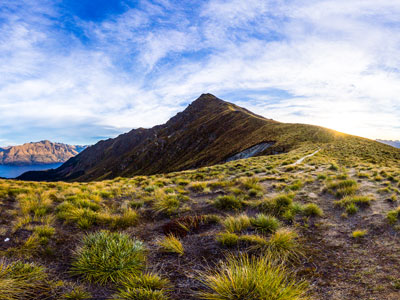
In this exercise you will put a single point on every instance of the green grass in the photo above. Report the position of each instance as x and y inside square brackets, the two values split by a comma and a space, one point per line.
[171, 244]
[227, 239]
[359, 233]
[312, 209]
[108, 257]
[77, 293]
[283, 244]
[251, 278]
[265, 223]
[344, 187]
[20, 280]
[359, 201]
[236, 223]
[228, 202]
[393, 215]
[143, 287]
[128, 218]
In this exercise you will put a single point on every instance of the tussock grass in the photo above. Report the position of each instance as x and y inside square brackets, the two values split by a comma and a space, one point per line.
[19, 280]
[358, 233]
[265, 223]
[283, 244]
[171, 244]
[360, 200]
[143, 287]
[393, 215]
[251, 278]
[227, 239]
[77, 293]
[236, 223]
[128, 218]
[312, 209]
[344, 187]
[108, 257]
[228, 202]
[166, 203]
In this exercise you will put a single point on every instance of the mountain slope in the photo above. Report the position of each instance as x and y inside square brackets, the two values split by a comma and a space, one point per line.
[43, 152]
[207, 132]
[391, 143]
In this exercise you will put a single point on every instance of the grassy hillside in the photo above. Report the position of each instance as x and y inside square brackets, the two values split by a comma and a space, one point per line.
[208, 132]
[259, 228]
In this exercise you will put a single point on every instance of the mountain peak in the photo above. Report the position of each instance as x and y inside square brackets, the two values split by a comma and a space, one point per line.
[207, 100]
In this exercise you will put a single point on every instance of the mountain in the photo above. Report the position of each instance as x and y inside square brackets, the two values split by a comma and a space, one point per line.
[207, 132]
[43, 152]
[391, 143]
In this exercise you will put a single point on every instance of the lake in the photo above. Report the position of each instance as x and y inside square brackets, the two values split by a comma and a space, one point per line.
[8, 171]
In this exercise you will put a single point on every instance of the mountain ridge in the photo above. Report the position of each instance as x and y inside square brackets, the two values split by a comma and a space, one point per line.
[207, 132]
[42, 152]
[393, 143]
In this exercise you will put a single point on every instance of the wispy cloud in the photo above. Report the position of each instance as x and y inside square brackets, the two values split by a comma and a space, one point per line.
[72, 79]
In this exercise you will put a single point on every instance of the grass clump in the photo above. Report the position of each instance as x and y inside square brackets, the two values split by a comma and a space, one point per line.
[227, 239]
[393, 215]
[166, 203]
[251, 278]
[228, 202]
[236, 224]
[128, 218]
[265, 223]
[19, 280]
[353, 203]
[77, 293]
[312, 209]
[171, 244]
[344, 187]
[144, 287]
[108, 257]
[358, 233]
[283, 244]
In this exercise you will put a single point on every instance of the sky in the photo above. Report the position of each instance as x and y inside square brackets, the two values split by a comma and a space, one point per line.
[77, 71]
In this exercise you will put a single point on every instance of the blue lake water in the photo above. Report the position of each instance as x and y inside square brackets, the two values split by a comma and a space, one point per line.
[14, 171]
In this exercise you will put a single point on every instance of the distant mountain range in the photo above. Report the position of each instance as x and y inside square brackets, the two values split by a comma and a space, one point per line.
[43, 152]
[207, 132]
[391, 143]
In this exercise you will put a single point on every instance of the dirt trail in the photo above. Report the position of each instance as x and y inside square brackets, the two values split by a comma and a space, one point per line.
[307, 156]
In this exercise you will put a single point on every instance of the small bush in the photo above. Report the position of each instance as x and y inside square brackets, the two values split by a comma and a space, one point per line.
[108, 257]
[264, 223]
[171, 244]
[251, 278]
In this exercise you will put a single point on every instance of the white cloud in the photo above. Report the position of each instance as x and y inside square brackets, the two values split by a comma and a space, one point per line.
[337, 61]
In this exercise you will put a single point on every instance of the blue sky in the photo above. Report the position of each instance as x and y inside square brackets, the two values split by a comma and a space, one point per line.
[79, 71]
